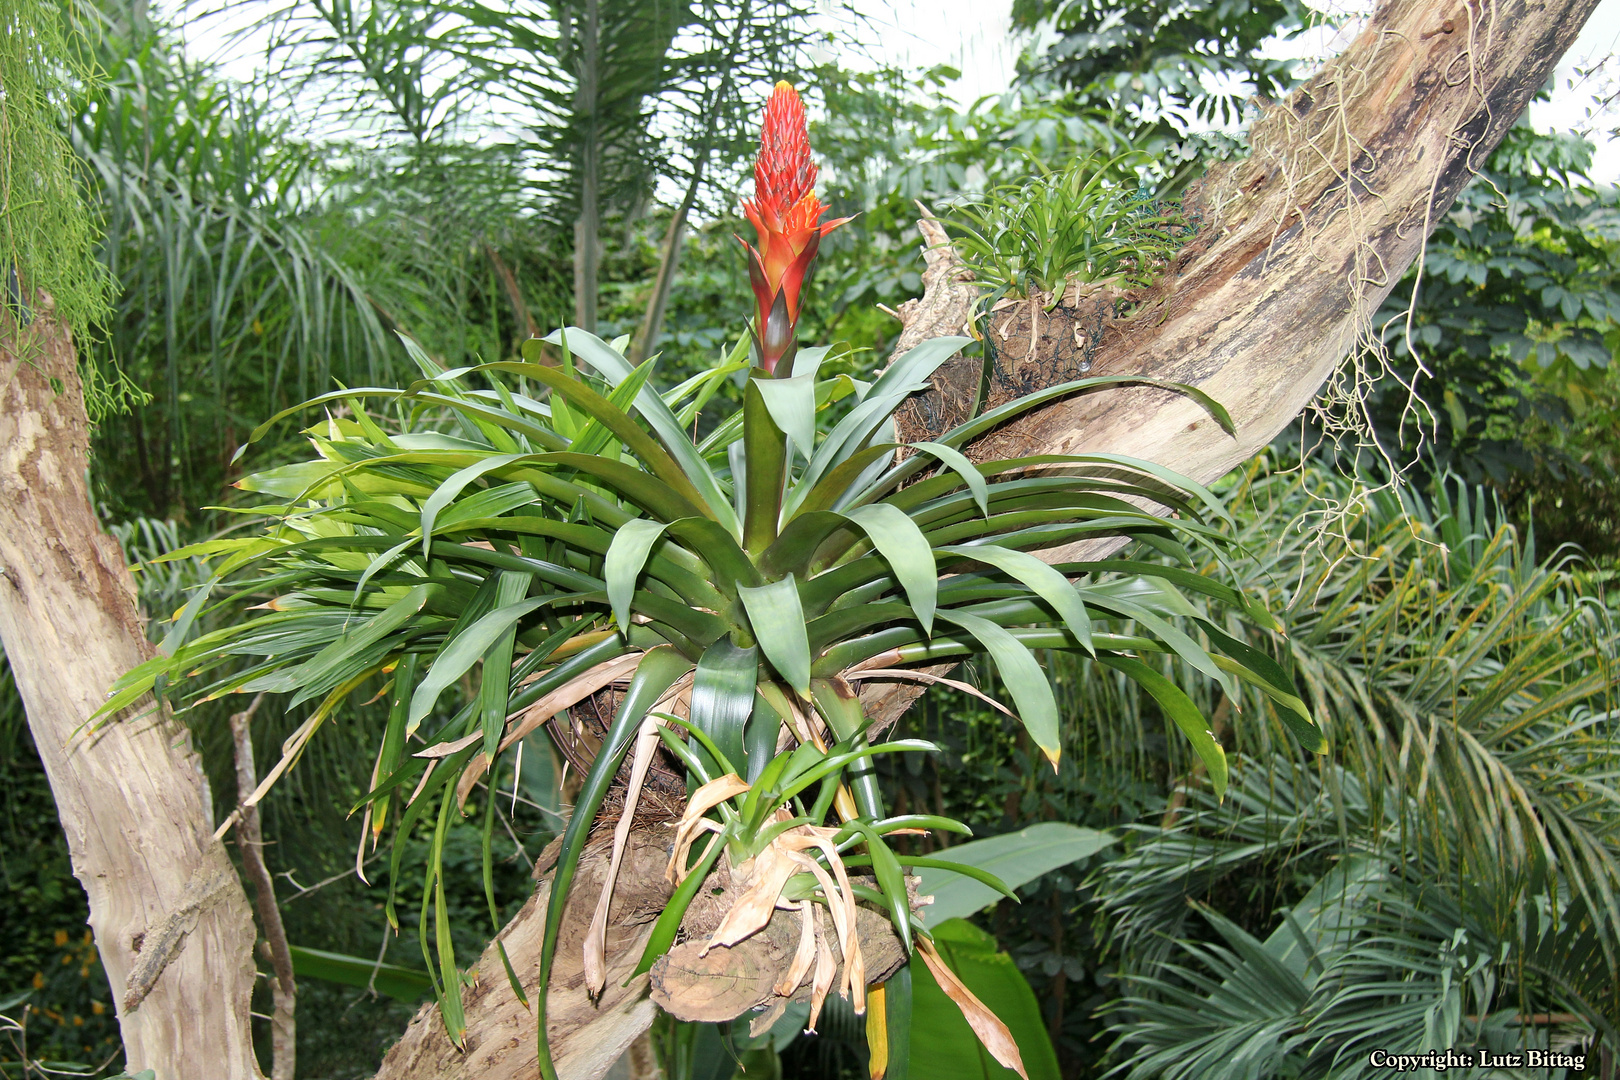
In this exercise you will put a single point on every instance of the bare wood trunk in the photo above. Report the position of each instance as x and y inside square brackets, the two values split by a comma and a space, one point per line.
[1346, 181]
[1304, 240]
[132, 797]
[586, 1038]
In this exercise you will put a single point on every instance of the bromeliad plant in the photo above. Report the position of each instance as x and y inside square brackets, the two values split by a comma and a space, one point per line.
[1074, 226]
[559, 526]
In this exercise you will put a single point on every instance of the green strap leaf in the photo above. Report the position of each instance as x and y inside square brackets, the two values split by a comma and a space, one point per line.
[353, 652]
[595, 436]
[1180, 708]
[446, 492]
[671, 432]
[1180, 643]
[890, 878]
[1023, 677]
[461, 653]
[658, 670]
[1256, 668]
[723, 689]
[910, 556]
[792, 405]
[777, 619]
[958, 463]
[493, 691]
[1047, 583]
[625, 559]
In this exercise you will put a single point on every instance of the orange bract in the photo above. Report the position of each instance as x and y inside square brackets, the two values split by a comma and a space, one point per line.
[787, 216]
[784, 173]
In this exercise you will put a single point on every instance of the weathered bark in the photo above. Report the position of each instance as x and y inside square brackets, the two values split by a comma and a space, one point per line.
[586, 1038]
[1346, 180]
[131, 796]
[1301, 243]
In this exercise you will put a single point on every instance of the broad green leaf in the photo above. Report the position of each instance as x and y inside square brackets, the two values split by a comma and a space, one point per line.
[792, 405]
[897, 1001]
[380, 563]
[1023, 677]
[625, 559]
[943, 1047]
[897, 538]
[1047, 583]
[1017, 858]
[652, 455]
[1327, 914]
[462, 653]
[958, 463]
[489, 505]
[765, 463]
[723, 691]
[778, 623]
[1180, 708]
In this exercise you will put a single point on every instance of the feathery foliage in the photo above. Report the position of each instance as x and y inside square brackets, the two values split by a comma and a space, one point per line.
[1466, 687]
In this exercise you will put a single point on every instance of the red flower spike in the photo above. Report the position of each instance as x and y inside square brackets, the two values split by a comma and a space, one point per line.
[787, 216]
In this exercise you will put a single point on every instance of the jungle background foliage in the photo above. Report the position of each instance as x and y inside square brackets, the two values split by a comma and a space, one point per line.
[1449, 866]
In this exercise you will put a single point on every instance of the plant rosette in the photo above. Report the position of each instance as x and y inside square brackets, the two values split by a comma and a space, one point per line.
[553, 522]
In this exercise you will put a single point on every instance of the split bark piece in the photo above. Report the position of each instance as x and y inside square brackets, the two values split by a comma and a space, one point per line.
[131, 796]
[564, 697]
[595, 954]
[726, 983]
[586, 1037]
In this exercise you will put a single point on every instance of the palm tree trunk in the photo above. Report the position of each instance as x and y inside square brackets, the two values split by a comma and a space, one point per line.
[588, 227]
[171, 922]
[653, 324]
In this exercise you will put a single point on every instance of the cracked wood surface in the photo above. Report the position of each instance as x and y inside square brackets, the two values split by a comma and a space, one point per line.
[1303, 241]
[171, 922]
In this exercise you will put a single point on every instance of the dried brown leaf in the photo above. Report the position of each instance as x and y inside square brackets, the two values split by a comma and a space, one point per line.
[985, 1024]
[596, 937]
[703, 800]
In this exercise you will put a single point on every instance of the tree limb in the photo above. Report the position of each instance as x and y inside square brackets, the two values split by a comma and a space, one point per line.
[250, 841]
[1301, 243]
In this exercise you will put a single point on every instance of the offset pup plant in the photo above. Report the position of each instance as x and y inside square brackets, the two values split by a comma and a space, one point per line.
[561, 527]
